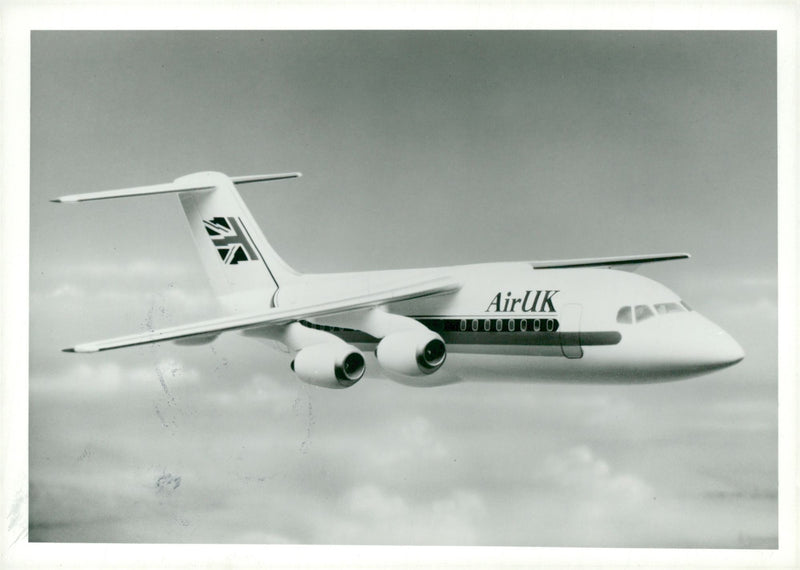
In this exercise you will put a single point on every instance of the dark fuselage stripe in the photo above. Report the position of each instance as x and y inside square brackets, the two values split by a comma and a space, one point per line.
[493, 337]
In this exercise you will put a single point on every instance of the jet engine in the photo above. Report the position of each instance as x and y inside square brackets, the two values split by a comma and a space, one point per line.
[412, 353]
[330, 365]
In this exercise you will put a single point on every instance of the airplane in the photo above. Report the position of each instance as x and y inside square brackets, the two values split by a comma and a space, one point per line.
[575, 320]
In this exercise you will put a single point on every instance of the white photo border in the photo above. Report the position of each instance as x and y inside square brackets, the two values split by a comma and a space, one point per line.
[19, 19]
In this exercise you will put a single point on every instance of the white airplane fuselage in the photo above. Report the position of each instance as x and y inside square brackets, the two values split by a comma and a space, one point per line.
[548, 324]
[581, 320]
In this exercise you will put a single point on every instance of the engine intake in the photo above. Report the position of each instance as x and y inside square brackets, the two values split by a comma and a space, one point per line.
[412, 353]
[331, 365]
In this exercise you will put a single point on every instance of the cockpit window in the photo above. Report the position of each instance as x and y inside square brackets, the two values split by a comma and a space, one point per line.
[625, 316]
[664, 308]
[643, 312]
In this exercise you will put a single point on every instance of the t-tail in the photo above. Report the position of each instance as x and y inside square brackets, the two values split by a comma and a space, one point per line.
[244, 271]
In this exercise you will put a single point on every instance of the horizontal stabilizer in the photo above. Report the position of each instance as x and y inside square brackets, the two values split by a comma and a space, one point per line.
[622, 262]
[170, 187]
[277, 317]
[125, 192]
[264, 177]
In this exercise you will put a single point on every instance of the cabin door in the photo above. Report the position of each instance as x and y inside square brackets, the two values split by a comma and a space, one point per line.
[570, 331]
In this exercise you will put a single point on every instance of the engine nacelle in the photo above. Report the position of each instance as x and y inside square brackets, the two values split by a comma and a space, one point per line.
[412, 353]
[330, 365]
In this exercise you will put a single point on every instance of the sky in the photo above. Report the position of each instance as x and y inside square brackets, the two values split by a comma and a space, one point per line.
[417, 149]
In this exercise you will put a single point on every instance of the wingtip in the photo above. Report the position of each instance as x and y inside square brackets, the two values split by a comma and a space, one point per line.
[82, 348]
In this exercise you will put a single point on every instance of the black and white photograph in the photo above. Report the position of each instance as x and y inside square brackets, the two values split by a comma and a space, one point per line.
[466, 287]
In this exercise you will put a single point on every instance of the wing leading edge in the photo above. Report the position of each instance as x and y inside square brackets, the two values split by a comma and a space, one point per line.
[277, 317]
[628, 262]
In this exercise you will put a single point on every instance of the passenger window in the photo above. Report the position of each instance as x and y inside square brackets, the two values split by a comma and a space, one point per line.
[664, 308]
[625, 316]
[462, 326]
[511, 326]
[475, 325]
[643, 312]
[487, 325]
[523, 325]
[498, 325]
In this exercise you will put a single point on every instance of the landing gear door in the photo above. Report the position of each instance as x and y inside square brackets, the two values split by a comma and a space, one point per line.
[570, 331]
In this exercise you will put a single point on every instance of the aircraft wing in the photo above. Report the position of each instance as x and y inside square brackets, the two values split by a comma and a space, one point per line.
[276, 317]
[628, 262]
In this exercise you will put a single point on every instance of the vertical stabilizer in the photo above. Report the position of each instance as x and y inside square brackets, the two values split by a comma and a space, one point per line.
[244, 270]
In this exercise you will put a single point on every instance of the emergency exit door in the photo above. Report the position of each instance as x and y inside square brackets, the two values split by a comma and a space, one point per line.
[570, 331]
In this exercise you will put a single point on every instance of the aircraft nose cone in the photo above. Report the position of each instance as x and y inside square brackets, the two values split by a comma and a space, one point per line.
[727, 351]
[717, 349]
[703, 345]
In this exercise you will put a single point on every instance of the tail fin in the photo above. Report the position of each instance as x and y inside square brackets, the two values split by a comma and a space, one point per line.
[245, 272]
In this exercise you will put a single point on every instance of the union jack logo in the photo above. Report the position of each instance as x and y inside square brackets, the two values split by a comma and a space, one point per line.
[230, 240]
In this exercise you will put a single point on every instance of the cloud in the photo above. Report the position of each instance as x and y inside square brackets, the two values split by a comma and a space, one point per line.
[262, 455]
[375, 515]
[579, 471]
[110, 379]
[571, 492]
[96, 276]
[99, 298]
